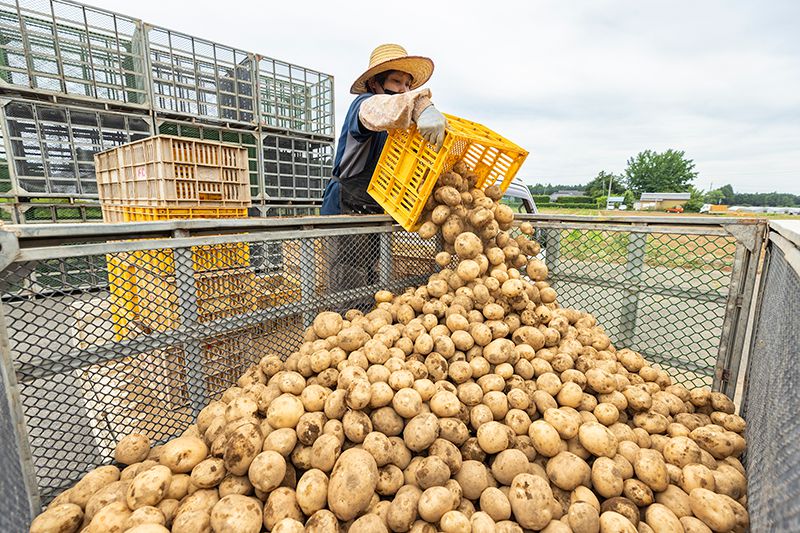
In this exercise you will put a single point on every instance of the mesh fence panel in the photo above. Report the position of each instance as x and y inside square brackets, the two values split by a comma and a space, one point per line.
[661, 294]
[771, 397]
[106, 345]
[12, 482]
[140, 340]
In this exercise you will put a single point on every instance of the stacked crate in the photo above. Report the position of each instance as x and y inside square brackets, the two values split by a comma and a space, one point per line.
[77, 79]
[167, 178]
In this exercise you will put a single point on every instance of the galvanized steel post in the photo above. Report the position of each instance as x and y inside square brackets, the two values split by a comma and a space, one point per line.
[186, 302]
[630, 300]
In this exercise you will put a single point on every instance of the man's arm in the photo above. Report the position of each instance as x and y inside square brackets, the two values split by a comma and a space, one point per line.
[384, 112]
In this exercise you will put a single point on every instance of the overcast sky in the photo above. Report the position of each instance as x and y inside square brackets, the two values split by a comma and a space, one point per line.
[582, 85]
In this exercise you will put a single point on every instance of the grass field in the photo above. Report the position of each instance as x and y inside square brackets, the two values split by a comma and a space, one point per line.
[604, 212]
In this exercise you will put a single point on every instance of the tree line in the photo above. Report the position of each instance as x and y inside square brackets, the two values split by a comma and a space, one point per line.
[668, 171]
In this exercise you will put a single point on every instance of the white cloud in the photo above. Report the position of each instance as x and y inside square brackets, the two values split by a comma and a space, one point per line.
[581, 85]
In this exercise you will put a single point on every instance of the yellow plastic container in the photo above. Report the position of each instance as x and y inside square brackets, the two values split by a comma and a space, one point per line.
[409, 167]
[131, 213]
[205, 258]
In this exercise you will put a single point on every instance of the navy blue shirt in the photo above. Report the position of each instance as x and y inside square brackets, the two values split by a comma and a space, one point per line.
[356, 156]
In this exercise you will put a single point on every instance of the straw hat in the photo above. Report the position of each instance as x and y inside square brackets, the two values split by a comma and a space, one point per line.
[394, 57]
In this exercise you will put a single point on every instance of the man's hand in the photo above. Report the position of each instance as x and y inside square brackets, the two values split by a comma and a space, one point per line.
[431, 125]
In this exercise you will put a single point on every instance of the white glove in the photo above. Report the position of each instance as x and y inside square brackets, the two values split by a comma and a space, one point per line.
[431, 125]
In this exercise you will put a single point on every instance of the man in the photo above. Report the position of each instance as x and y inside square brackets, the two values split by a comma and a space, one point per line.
[388, 98]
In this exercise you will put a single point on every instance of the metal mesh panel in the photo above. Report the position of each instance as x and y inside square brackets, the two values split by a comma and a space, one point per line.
[70, 48]
[196, 77]
[141, 340]
[12, 482]
[664, 295]
[46, 212]
[771, 399]
[53, 146]
[295, 98]
[296, 168]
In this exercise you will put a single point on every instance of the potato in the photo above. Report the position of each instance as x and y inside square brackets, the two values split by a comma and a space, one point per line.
[322, 521]
[146, 515]
[611, 522]
[236, 512]
[113, 492]
[651, 470]
[694, 525]
[606, 477]
[597, 439]
[473, 478]
[149, 487]
[492, 437]
[352, 483]
[468, 245]
[267, 470]
[148, 528]
[192, 522]
[112, 518]
[638, 492]
[181, 455]
[530, 497]
[66, 518]
[434, 503]
[582, 517]
[676, 500]
[712, 509]
[494, 502]
[199, 500]
[288, 525]
[281, 503]
[545, 438]
[242, 447]
[661, 519]
[169, 509]
[208, 473]
[132, 448]
[421, 431]
[623, 506]
[367, 524]
[567, 471]
[403, 509]
[431, 471]
[91, 483]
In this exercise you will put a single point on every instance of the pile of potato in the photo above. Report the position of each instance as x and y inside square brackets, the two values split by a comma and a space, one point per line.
[472, 403]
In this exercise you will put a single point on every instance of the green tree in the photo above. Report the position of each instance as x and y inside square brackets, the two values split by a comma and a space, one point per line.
[696, 200]
[727, 191]
[651, 171]
[599, 185]
[714, 197]
[629, 199]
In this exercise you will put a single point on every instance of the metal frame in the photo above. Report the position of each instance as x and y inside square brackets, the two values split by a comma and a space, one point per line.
[74, 33]
[33, 243]
[750, 235]
[46, 142]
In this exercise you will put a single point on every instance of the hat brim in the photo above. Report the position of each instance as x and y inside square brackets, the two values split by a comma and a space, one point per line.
[420, 68]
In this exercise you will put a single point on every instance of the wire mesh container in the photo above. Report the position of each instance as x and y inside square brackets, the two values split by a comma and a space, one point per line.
[65, 47]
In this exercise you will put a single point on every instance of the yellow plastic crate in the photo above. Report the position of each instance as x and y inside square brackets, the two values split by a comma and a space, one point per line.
[129, 213]
[205, 258]
[144, 300]
[409, 167]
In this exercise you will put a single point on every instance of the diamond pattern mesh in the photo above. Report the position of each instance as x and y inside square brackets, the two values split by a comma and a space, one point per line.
[141, 340]
[663, 295]
[770, 403]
